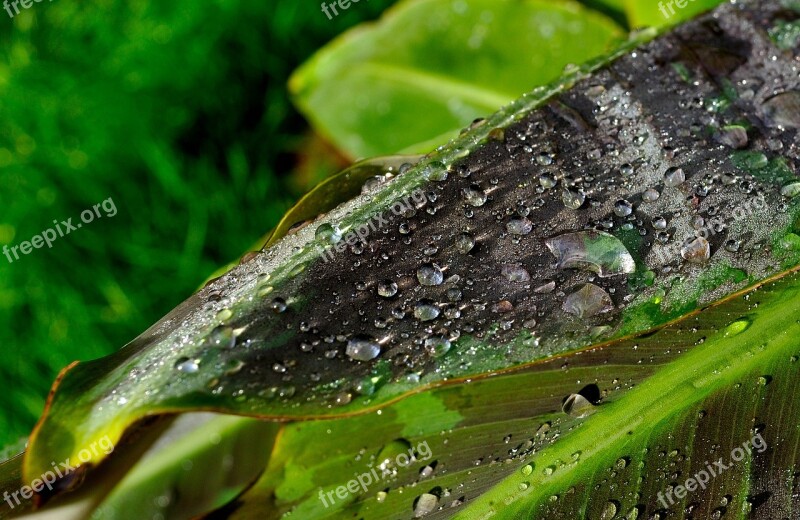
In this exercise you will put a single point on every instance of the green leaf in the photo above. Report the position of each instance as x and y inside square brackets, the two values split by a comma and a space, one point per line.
[429, 67]
[665, 13]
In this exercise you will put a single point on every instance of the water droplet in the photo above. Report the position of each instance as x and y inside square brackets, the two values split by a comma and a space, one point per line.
[437, 346]
[222, 336]
[187, 366]
[573, 199]
[610, 511]
[547, 181]
[425, 504]
[791, 191]
[426, 310]
[590, 300]
[465, 243]
[696, 250]
[733, 136]
[650, 195]
[387, 289]
[626, 170]
[519, 226]
[326, 232]
[278, 305]
[362, 348]
[474, 195]
[674, 177]
[575, 405]
[430, 275]
[737, 327]
[623, 208]
[595, 251]
[783, 110]
[544, 159]
[527, 469]
[515, 273]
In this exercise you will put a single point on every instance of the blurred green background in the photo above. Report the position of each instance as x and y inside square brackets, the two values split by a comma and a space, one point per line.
[178, 111]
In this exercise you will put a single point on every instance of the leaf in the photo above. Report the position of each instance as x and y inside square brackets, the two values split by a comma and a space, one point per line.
[445, 303]
[511, 427]
[665, 13]
[430, 67]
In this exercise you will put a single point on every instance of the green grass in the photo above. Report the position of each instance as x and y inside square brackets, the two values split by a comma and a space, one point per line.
[176, 110]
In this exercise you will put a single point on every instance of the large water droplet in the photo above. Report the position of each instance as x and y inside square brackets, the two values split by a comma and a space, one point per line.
[783, 110]
[437, 346]
[610, 511]
[515, 273]
[595, 251]
[623, 208]
[791, 190]
[590, 300]
[187, 366]
[465, 243]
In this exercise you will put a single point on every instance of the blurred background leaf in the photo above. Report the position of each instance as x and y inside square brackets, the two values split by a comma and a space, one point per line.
[429, 67]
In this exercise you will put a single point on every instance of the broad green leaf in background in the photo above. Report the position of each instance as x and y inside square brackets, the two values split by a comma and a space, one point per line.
[663, 13]
[429, 67]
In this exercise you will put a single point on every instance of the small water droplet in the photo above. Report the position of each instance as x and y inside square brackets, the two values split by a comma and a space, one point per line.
[387, 288]
[425, 504]
[430, 275]
[426, 310]
[474, 195]
[572, 198]
[519, 226]
[590, 300]
[362, 348]
[674, 177]
[696, 250]
[187, 366]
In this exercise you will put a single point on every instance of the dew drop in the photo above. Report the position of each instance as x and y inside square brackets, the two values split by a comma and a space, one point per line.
[387, 289]
[696, 250]
[519, 226]
[474, 195]
[430, 275]
[674, 177]
[590, 300]
[362, 348]
[573, 199]
[426, 310]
